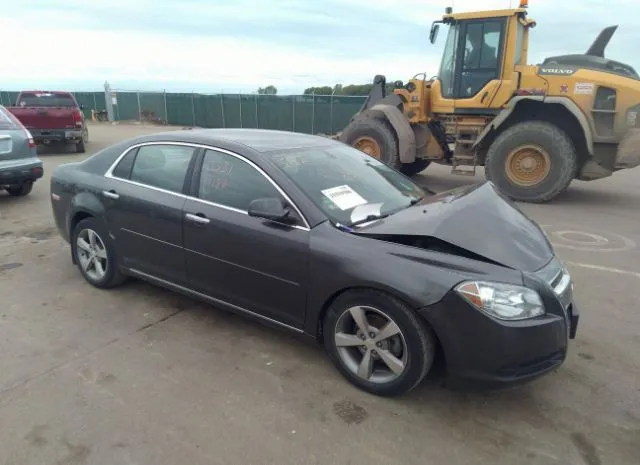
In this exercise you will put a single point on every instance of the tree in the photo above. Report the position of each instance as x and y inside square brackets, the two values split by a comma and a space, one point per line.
[269, 90]
[351, 89]
[322, 90]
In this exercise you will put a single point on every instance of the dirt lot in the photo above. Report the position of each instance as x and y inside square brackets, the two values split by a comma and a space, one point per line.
[142, 376]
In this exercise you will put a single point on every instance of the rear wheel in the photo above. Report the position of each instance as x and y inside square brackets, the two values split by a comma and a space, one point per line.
[95, 254]
[80, 146]
[377, 342]
[374, 137]
[533, 161]
[20, 190]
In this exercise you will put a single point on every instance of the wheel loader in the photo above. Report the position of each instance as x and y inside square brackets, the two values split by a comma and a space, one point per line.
[534, 128]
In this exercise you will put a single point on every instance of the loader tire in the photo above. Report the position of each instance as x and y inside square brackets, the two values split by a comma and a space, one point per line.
[375, 137]
[532, 161]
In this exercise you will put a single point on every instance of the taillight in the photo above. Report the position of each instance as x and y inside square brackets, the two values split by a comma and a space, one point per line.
[77, 118]
[32, 143]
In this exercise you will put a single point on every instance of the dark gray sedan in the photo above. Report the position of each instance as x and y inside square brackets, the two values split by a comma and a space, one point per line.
[20, 166]
[308, 234]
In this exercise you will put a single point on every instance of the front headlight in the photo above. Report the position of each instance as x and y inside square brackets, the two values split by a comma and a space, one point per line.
[502, 301]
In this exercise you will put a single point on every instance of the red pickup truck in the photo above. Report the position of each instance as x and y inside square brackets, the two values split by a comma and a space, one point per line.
[52, 117]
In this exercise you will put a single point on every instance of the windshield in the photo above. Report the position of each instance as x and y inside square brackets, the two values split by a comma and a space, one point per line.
[45, 100]
[346, 184]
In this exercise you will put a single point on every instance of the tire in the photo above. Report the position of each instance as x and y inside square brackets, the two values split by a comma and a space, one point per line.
[80, 146]
[562, 157]
[417, 342]
[411, 169]
[20, 190]
[112, 275]
[376, 130]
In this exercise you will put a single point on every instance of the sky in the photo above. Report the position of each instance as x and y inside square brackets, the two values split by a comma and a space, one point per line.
[240, 45]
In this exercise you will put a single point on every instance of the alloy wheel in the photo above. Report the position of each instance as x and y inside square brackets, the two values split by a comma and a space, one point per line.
[92, 254]
[371, 344]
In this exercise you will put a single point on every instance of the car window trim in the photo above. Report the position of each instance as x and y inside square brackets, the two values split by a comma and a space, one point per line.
[109, 174]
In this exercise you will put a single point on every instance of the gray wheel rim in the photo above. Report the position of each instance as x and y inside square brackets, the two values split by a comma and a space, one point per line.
[92, 254]
[370, 344]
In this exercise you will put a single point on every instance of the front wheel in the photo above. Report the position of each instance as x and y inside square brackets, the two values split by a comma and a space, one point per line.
[377, 342]
[533, 161]
[375, 137]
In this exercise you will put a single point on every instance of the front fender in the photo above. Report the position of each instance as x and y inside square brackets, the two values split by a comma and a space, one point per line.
[404, 132]
[564, 101]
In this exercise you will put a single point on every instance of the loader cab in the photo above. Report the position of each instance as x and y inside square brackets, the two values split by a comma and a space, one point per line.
[480, 52]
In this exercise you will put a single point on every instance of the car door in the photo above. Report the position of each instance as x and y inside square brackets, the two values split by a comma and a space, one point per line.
[144, 208]
[258, 265]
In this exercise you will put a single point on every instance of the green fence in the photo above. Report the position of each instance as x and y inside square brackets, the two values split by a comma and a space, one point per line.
[301, 113]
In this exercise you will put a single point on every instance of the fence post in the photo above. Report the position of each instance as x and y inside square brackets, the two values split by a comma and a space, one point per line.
[331, 112]
[224, 123]
[166, 115]
[313, 111]
[139, 109]
[257, 121]
[293, 106]
[108, 102]
[193, 107]
[240, 99]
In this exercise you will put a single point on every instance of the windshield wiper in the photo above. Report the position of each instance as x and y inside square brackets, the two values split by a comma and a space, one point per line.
[415, 200]
[368, 218]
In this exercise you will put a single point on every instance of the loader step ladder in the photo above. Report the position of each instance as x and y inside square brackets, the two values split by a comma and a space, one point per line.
[464, 156]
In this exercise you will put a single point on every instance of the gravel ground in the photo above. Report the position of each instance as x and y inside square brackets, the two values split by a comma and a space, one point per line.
[139, 375]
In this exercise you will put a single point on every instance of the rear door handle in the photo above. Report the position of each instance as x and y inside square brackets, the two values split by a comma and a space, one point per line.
[198, 218]
[111, 194]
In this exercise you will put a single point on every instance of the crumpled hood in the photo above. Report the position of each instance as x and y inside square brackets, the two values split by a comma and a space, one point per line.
[476, 218]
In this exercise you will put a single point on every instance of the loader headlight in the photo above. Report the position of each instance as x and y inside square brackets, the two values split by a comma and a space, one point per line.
[502, 301]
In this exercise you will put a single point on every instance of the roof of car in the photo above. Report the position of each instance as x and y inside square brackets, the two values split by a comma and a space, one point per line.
[261, 140]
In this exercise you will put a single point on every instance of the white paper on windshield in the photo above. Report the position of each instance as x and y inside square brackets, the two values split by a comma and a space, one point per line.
[344, 197]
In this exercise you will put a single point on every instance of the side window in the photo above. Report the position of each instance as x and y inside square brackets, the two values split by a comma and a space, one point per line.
[162, 166]
[229, 181]
[123, 168]
[481, 62]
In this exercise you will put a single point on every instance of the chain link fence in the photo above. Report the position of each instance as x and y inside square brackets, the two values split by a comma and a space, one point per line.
[311, 114]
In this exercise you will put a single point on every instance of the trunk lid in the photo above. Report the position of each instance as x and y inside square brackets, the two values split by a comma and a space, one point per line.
[477, 219]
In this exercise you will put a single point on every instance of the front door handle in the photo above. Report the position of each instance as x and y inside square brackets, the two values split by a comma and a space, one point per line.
[111, 194]
[198, 218]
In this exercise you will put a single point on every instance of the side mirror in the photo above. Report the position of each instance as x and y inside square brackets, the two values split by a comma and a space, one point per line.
[270, 208]
[433, 34]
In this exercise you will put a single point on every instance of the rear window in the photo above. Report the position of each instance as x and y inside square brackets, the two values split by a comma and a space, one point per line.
[7, 120]
[44, 99]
